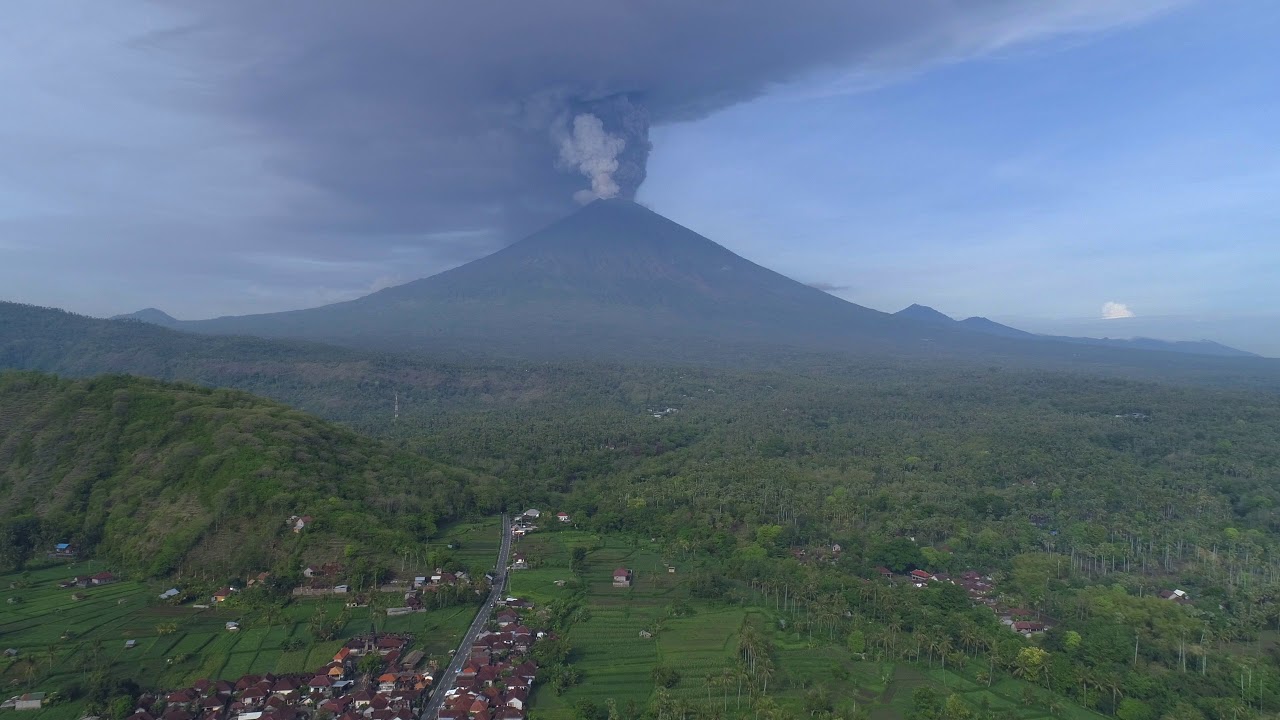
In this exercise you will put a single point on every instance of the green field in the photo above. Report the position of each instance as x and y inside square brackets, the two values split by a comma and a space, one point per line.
[62, 641]
[616, 663]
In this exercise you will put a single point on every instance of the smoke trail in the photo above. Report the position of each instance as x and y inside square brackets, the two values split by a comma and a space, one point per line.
[593, 152]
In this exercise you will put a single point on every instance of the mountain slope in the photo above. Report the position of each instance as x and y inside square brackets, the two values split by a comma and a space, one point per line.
[991, 327]
[157, 477]
[616, 281]
[612, 280]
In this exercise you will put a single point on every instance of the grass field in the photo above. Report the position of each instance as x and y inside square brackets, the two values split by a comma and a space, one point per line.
[60, 640]
[616, 663]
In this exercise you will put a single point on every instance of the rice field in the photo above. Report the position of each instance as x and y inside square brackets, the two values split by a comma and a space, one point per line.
[616, 663]
[60, 640]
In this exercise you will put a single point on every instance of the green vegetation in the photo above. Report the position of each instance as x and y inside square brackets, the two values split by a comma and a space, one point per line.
[77, 648]
[657, 648]
[1082, 496]
[154, 478]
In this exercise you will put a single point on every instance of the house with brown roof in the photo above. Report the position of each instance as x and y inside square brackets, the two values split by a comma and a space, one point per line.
[622, 577]
[1028, 628]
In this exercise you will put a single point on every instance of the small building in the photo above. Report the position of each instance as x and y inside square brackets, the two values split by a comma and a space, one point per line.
[29, 701]
[563, 517]
[622, 577]
[170, 594]
[130, 644]
[1177, 596]
[671, 569]
[342, 589]
[884, 572]
[520, 562]
[1028, 627]
[102, 578]
[531, 513]
[223, 594]
[232, 626]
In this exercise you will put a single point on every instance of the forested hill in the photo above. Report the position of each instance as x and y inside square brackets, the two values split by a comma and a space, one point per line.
[160, 478]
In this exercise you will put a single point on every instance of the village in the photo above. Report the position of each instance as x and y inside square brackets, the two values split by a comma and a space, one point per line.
[371, 677]
[380, 676]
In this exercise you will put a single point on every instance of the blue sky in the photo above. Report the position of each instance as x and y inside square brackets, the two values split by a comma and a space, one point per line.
[1138, 166]
[1026, 162]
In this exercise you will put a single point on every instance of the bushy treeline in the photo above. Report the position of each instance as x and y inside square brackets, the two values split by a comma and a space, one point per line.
[158, 478]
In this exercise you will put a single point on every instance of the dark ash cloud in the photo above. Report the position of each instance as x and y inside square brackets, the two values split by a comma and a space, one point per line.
[415, 116]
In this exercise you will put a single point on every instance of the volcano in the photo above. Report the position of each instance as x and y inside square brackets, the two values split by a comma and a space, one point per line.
[616, 281]
[612, 280]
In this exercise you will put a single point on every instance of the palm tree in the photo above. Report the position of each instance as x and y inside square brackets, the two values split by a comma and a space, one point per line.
[1111, 681]
[726, 681]
[765, 671]
[944, 647]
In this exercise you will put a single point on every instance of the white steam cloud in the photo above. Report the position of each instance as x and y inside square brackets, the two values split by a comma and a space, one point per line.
[592, 151]
[1115, 311]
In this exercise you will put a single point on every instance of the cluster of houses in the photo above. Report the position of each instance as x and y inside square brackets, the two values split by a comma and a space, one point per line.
[495, 681]
[323, 579]
[526, 522]
[336, 690]
[981, 590]
[1020, 620]
[415, 596]
[820, 554]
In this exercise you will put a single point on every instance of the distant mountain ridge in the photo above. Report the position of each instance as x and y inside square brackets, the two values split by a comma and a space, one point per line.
[983, 325]
[615, 281]
[150, 315]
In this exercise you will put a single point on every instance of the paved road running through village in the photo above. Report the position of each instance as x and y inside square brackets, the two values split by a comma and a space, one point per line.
[445, 681]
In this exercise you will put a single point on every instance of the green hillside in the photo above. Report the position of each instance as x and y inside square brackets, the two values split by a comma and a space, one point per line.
[156, 478]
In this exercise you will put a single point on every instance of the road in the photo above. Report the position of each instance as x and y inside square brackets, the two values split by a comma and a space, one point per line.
[445, 681]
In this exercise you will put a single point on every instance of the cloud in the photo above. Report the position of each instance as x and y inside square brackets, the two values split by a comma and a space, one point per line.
[828, 287]
[1116, 311]
[405, 131]
[438, 116]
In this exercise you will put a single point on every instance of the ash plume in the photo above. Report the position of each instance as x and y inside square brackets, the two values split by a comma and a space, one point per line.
[424, 119]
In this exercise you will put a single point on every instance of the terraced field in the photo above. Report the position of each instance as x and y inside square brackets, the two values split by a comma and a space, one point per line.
[60, 640]
[616, 663]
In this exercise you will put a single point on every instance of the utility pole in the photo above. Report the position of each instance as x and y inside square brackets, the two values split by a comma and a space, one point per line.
[395, 413]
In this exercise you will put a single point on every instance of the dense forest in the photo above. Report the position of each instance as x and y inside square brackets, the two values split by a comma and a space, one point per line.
[1085, 497]
[160, 479]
